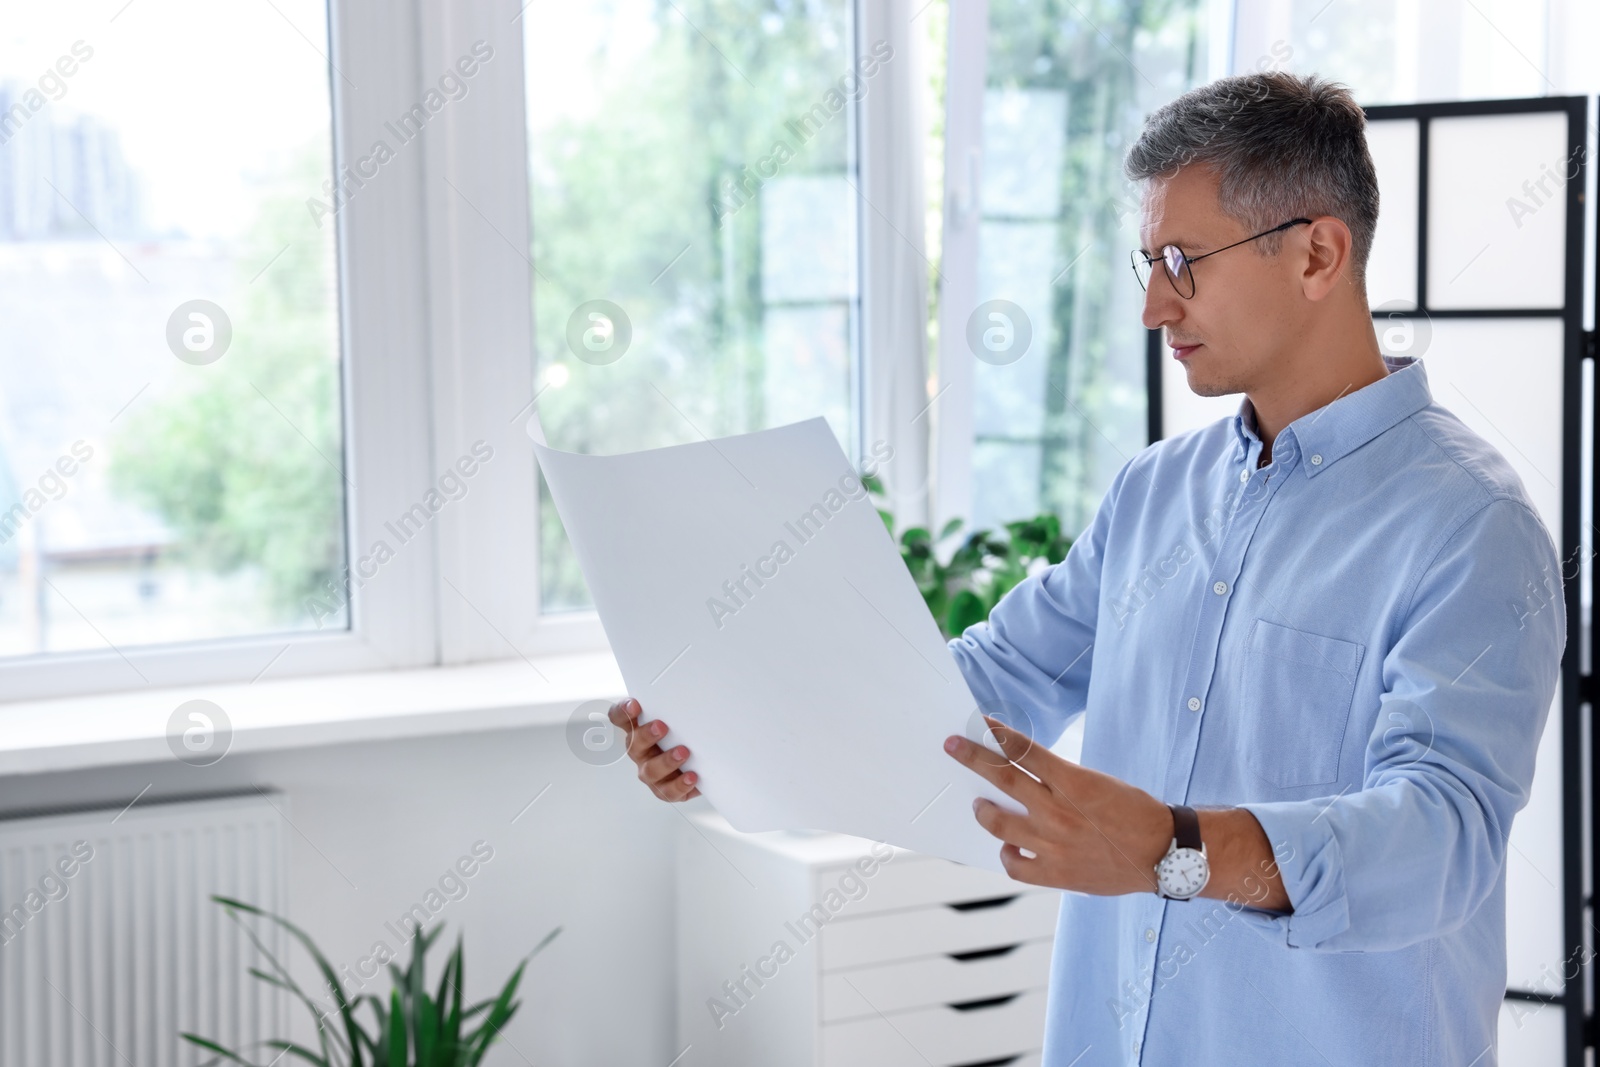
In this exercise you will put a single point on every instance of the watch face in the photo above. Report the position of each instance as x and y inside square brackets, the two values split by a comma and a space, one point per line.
[1183, 872]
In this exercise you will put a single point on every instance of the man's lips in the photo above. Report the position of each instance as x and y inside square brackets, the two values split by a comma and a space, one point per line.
[1183, 351]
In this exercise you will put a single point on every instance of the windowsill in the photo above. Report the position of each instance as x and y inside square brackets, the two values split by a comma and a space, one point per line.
[131, 727]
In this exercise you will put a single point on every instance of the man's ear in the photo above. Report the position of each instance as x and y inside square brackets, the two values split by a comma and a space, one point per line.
[1326, 245]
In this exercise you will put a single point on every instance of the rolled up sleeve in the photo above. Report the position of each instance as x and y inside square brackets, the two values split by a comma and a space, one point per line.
[1468, 684]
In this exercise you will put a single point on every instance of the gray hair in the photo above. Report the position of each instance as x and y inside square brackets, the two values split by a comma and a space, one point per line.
[1282, 146]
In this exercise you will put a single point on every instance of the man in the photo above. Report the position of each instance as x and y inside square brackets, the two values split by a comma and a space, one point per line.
[1314, 645]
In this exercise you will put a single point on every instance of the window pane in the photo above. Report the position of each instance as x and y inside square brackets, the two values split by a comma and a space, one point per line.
[1060, 109]
[170, 434]
[692, 167]
[1402, 53]
[1390, 53]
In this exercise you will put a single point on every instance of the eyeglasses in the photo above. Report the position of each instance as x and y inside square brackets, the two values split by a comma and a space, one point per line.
[1178, 263]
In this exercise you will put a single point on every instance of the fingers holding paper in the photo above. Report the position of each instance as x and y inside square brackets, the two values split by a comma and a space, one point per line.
[1086, 831]
[659, 769]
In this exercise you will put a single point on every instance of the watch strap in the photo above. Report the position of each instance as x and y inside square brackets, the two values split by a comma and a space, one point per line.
[1185, 826]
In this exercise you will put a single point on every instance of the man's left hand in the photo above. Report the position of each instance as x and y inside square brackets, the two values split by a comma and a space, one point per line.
[1087, 831]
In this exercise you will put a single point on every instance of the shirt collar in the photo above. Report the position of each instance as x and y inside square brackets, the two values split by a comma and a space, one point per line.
[1338, 428]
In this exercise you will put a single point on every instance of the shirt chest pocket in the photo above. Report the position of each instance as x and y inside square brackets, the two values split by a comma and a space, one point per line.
[1295, 697]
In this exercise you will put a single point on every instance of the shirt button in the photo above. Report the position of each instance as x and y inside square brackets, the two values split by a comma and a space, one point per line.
[1194, 703]
[1220, 588]
[1316, 459]
[1136, 1048]
[1149, 933]
[1244, 476]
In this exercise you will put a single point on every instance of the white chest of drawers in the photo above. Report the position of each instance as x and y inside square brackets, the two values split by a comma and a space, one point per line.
[819, 950]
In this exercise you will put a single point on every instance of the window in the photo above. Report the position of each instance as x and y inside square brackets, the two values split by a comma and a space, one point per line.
[715, 214]
[262, 483]
[1042, 353]
[1402, 53]
[694, 227]
[171, 439]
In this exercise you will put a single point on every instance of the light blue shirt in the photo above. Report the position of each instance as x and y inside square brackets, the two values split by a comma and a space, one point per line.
[1359, 643]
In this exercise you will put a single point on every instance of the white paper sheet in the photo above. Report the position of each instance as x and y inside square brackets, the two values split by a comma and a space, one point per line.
[756, 603]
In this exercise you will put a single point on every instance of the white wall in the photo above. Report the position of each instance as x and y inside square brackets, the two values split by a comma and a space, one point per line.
[374, 825]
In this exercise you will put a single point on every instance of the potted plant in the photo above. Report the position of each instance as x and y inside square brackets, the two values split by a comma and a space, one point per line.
[961, 590]
[409, 1029]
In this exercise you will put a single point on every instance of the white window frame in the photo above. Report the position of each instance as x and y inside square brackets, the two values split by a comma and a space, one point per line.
[966, 75]
[965, 79]
[383, 327]
[436, 326]
[895, 407]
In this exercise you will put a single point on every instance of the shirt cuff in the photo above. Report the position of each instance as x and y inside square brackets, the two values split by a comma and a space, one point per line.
[987, 699]
[1311, 865]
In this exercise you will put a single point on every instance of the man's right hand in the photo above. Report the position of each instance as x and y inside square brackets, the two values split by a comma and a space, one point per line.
[657, 769]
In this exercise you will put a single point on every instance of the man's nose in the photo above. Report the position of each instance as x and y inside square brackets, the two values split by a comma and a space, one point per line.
[1162, 305]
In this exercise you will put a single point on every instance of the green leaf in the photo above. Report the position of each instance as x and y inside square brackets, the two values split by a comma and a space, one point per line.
[949, 528]
[397, 1031]
[292, 1049]
[971, 552]
[1003, 582]
[232, 909]
[323, 966]
[873, 484]
[504, 1007]
[888, 520]
[450, 1037]
[966, 609]
[427, 1027]
[212, 1046]
[414, 997]
[544, 942]
[379, 1045]
[499, 1013]
[270, 979]
[1032, 535]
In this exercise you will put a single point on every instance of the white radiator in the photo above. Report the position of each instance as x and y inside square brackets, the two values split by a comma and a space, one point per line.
[110, 945]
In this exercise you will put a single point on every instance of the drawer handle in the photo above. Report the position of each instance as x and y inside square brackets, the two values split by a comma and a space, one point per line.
[986, 1002]
[1001, 1062]
[979, 905]
[983, 953]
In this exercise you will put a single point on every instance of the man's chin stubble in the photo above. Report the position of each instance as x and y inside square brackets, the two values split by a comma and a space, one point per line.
[1209, 387]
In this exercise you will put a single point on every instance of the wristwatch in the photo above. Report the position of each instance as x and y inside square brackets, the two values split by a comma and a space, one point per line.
[1184, 870]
